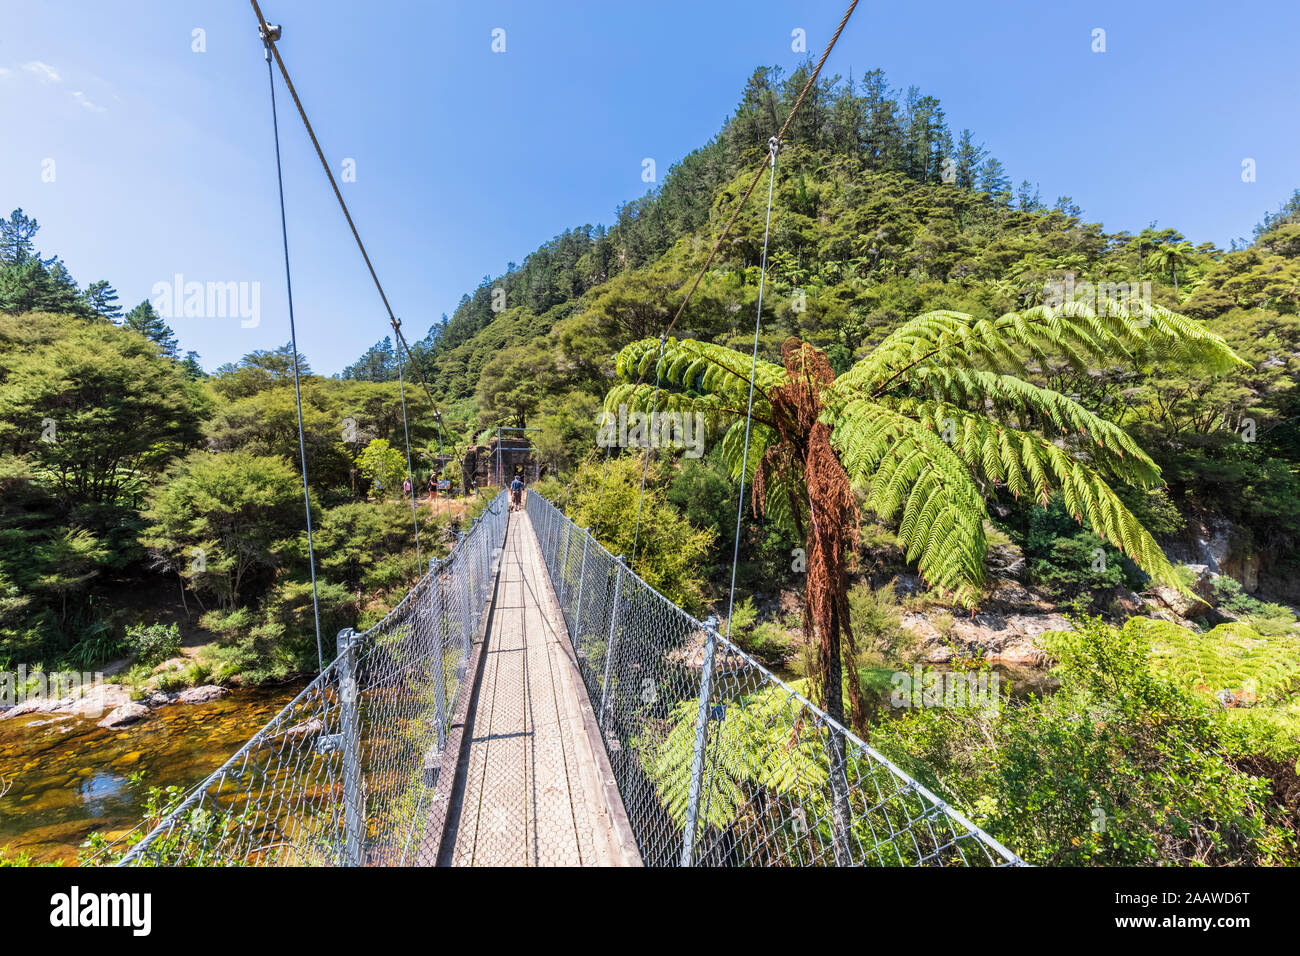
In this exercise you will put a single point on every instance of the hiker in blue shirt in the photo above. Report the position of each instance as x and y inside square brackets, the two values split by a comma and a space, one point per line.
[516, 493]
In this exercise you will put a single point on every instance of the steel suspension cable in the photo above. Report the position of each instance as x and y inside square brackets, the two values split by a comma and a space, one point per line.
[338, 194]
[410, 472]
[773, 146]
[758, 174]
[649, 445]
[293, 344]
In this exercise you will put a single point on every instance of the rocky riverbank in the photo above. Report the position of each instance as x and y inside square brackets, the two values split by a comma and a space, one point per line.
[115, 701]
[64, 774]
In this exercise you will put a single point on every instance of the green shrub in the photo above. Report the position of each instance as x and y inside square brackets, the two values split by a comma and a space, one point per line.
[154, 643]
[101, 643]
[1124, 765]
[1270, 620]
[877, 622]
[670, 554]
[171, 681]
[1071, 563]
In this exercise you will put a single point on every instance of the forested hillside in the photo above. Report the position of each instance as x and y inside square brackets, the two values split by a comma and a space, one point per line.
[879, 217]
[146, 503]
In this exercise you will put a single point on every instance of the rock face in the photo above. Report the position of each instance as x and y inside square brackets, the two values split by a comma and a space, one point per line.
[1221, 547]
[126, 714]
[1004, 631]
[1168, 604]
[1009, 639]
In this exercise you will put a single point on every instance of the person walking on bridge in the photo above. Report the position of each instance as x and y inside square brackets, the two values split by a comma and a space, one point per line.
[516, 493]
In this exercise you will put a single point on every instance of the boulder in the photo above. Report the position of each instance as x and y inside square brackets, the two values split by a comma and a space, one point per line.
[1004, 639]
[1130, 602]
[305, 728]
[18, 710]
[1007, 594]
[1200, 604]
[1005, 561]
[100, 699]
[126, 714]
[201, 695]
[1175, 602]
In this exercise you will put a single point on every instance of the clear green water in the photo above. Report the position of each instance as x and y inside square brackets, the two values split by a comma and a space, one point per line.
[67, 777]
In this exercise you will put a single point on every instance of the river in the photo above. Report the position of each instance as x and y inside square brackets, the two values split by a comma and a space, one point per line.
[67, 777]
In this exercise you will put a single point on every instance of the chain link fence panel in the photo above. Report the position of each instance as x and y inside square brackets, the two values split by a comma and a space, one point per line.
[720, 763]
[345, 774]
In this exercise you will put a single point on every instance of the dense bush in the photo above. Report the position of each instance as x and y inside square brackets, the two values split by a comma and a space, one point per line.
[1070, 562]
[154, 643]
[606, 497]
[1124, 765]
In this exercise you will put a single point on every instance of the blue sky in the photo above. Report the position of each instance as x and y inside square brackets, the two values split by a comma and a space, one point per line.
[467, 159]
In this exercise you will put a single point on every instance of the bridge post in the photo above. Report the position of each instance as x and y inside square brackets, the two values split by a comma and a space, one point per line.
[562, 563]
[353, 799]
[548, 538]
[701, 741]
[577, 614]
[439, 656]
[463, 572]
[619, 564]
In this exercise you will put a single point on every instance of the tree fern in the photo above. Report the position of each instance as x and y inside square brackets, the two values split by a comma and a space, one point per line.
[938, 416]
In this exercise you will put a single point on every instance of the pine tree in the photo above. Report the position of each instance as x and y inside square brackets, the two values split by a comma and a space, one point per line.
[969, 159]
[102, 299]
[379, 364]
[146, 320]
[16, 234]
[193, 370]
[1028, 198]
[995, 181]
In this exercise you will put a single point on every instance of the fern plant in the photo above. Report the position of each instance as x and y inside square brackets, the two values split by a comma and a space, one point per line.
[925, 427]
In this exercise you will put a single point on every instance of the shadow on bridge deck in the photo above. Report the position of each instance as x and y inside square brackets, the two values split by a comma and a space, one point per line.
[530, 783]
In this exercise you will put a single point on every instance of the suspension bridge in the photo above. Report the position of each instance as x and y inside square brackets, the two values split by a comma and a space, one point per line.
[533, 701]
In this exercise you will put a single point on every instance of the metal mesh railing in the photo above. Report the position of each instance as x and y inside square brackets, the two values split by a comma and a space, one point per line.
[345, 774]
[719, 762]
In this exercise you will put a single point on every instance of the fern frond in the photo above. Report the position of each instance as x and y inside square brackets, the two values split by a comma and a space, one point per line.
[907, 470]
[1101, 441]
[703, 367]
[1029, 463]
[1073, 332]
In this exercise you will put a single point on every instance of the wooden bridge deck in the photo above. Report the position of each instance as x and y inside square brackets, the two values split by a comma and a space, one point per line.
[530, 783]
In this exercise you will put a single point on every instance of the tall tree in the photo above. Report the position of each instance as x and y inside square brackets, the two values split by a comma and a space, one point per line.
[16, 235]
[995, 181]
[969, 158]
[258, 370]
[379, 364]
[1170, 257]
[190, 364]
[102, 299]
[96, 411]
[146, 320]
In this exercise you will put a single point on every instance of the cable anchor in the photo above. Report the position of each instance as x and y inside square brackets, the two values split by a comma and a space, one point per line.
[268, 36]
